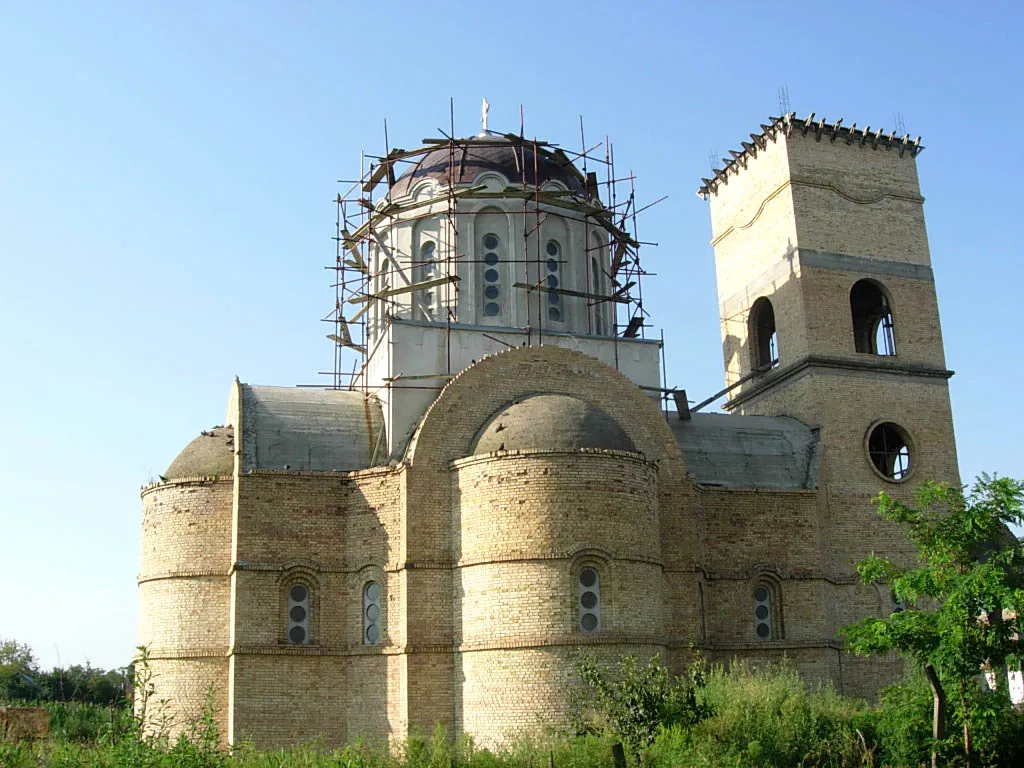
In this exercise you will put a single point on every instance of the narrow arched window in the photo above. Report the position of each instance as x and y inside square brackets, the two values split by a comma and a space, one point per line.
[597, 287]
[764, 339]
[371, 613]
[298, 614]
[493, 289]
[874, 332]
[767, 610]
[424, 270]
[589, 600]
[553, 281]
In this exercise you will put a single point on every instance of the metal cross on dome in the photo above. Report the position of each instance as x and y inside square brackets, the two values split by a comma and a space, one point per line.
[484, 109]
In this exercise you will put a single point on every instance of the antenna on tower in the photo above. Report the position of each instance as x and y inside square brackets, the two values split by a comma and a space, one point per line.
[900, 126]
[784, 100]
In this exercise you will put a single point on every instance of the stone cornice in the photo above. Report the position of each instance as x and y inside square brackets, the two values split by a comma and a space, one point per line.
[875, 365]
[184, 481]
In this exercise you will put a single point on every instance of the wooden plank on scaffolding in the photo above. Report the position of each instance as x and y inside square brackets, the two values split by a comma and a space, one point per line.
[567, 292]
[619, 258]
[339, 340]
[362, 311]
[357, 258]
[633, 328]
[405, 289]
[385, 168]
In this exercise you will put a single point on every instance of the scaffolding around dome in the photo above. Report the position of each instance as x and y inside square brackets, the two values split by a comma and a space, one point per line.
[380, 279]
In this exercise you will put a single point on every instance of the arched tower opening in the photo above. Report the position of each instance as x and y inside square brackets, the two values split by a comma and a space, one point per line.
[874, 332]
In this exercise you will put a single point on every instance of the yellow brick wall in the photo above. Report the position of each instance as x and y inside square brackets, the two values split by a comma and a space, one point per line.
[184, 597]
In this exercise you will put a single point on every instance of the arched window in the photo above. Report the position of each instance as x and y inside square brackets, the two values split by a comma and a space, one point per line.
[597, 317]
[764, 340]
[371, 613]
[598, 308]
[552, 281]
[588, 602]
[426, 269]
[767, 607]
[873, 329]
[701, 612]
[299, 599]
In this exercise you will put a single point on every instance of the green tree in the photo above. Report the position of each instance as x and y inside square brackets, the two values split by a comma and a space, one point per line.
[963, 600]
[18, 671]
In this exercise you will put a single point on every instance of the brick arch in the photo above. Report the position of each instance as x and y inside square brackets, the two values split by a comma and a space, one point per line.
[472, 397]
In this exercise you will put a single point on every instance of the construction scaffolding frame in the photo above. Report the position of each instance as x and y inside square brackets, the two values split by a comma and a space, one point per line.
[365, 210]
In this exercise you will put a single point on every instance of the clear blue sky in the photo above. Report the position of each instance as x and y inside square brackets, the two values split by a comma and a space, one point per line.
[167, 173]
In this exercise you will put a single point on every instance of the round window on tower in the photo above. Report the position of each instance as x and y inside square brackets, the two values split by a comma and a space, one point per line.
[890, 451]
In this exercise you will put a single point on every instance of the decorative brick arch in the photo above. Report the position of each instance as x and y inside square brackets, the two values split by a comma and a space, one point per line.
[472, 397]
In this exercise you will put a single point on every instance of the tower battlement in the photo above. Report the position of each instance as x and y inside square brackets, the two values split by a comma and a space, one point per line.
[786, 125]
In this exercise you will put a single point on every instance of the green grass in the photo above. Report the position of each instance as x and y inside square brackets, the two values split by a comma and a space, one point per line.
[763, 718]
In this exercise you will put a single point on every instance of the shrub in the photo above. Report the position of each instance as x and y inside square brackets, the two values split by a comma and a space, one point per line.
[766, 717]
[634, 701]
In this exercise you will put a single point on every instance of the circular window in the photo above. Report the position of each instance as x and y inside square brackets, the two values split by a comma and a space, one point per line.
[298, 593]
[372, 611]
[554, 314]
[552, 248]
[552, 265]
[491, 275]
[889, 450]
[490, 259]
[763, 631]
[588, 600]
[760, 594]
[588, 622]
[491, 291]
[552, 281]
[490, 241]
[552, 297]
[297, 635]
[491, 309]
[297, 613]
[372, 634]
[588, 577]
[373, 591]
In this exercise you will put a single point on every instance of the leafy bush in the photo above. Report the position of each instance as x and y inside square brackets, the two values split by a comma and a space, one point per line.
[634, 701]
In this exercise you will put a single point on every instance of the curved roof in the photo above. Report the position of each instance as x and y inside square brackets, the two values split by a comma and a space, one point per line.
[492, 153]
[310, 429]
[551, 422]
[209, 455]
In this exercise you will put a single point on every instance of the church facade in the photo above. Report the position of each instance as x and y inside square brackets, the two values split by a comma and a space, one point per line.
[500, 489]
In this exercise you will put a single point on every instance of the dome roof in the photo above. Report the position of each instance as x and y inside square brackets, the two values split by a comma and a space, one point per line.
[209, 455]
[551, 422]
[494, 153]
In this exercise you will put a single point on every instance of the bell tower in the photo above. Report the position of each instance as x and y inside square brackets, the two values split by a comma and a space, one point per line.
[827, 298]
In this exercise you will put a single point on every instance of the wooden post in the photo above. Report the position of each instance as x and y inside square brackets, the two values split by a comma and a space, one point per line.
[618, 755]
[938, 711]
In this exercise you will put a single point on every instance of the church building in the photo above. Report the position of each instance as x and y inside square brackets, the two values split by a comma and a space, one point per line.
[501, 485]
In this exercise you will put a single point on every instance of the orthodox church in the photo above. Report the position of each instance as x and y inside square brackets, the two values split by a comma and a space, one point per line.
[501, 486]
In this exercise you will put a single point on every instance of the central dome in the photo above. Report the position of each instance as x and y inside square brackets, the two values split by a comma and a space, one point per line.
[471, 157]
[551, 423]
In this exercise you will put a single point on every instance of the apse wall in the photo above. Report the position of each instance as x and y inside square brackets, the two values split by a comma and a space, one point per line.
[527, 524]
[184, 592]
